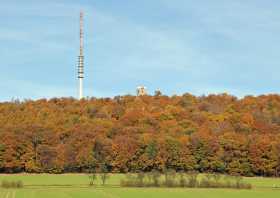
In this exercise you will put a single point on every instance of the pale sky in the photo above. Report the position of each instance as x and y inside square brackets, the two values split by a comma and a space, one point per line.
[178, 46]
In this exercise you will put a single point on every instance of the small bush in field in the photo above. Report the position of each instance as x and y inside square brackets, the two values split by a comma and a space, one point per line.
[189, 180]
[217, 178]
[205, 182]
[92, 177]
[215, 181]
[5, 184]
[140, 179]
[19, 184]
[12, 184]
[182, 179]
[104, 177]
[192, 179]
[153, 179]
[129, 181]
[170, 176]
[239, 184]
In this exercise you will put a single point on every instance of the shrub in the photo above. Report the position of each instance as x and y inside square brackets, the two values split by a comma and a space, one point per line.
[5, 184]
[104, 177]
[192, 179]
[227, 182]
[154, 178]
[129, 181]
[140, 179]
[92, 177]
[216, 178]
[206, 181]
[12, 184]
[170, 176]
[182, 179]
[239, 184]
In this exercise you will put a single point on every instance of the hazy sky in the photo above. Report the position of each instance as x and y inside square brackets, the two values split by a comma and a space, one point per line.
[196, 46]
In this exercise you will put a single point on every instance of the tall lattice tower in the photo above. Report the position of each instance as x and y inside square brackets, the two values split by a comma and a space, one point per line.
[81, 57]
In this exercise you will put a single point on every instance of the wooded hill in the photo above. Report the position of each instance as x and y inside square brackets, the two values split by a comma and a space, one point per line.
[215, 133]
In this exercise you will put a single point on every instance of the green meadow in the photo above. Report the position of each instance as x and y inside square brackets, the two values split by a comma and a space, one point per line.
[76, 186]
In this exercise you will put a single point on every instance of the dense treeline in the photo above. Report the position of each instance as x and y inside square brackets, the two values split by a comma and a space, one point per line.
[215, 133]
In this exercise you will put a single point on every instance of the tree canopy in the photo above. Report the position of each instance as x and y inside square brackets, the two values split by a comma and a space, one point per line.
[214, 133]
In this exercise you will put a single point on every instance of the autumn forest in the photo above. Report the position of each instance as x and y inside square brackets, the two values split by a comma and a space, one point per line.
[214, 133]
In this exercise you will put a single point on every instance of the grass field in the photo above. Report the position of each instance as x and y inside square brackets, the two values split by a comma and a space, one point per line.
[76, 186]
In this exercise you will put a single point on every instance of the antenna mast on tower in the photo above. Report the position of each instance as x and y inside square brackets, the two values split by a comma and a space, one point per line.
[81, 57]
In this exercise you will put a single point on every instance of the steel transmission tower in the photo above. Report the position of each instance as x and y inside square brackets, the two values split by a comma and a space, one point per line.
[81, 57]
